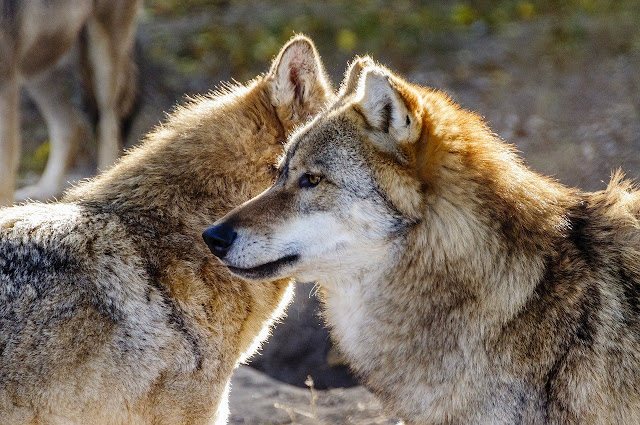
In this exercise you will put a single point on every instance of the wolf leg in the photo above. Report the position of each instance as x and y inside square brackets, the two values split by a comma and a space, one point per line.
[9, 137]
[110, 39]
[65, 127]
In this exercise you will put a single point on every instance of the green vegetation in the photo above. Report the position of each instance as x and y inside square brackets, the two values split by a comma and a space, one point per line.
[35, 159]
[245, 34]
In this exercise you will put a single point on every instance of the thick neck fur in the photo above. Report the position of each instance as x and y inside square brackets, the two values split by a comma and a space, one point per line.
[177, 171]
[209, 156]
[487, 228]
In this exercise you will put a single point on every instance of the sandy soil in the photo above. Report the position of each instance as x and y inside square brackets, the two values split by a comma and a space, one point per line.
[257, 399]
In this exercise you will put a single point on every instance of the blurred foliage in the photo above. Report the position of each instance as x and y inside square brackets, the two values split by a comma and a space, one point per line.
[245, 34]
[34, 160]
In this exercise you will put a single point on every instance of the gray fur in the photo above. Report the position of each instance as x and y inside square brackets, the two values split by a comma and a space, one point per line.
[462, 287]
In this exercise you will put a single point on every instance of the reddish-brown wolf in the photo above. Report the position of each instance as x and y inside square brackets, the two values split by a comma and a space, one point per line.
[463, 287]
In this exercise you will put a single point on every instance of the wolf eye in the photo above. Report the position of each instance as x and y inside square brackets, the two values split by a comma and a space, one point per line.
[309, 180]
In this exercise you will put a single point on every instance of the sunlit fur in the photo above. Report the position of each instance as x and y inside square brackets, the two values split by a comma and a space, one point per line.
[112, 310]
[461, 286]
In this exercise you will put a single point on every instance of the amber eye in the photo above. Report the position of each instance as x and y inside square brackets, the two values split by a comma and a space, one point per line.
[309, 180]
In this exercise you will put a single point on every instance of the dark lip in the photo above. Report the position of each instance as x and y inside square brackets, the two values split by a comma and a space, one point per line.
[265, 271]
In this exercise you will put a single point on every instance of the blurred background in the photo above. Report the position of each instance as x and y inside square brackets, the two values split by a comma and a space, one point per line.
[559, 79]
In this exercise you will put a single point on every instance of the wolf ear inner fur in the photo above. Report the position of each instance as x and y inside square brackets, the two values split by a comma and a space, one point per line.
[298, 78]
[385, 109]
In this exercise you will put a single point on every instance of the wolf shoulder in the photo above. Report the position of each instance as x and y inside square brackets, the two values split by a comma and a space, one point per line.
[70, 281]
[39, 242]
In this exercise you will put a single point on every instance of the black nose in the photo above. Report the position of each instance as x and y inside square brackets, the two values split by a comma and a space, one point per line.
[219, 239]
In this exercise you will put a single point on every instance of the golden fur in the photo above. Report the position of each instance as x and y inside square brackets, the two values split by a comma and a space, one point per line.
[111, 310]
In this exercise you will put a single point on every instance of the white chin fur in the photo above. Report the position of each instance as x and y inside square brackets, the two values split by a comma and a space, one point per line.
[327, 247]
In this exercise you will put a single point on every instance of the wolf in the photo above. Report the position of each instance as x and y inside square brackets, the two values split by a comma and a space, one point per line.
[34, 36]
[462, 287]
[111, 311]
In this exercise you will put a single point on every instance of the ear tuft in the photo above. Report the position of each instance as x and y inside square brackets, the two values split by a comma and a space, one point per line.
[353, 73]
[298, 80]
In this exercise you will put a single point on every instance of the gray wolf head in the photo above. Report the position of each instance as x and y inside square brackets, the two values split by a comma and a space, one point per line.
[346, 190]
[389, 165]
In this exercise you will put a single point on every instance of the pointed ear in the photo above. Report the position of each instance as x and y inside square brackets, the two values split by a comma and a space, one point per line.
[390, 107]
[352, 75]
[298, 82]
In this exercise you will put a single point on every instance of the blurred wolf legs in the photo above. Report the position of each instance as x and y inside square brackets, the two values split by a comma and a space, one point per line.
[36, 34]
[112, 70]
[65, 127]
[9, 139]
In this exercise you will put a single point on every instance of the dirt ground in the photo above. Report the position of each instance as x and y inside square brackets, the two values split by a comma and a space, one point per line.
[257, 399]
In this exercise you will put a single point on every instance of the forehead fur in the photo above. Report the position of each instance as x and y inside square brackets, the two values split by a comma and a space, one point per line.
[347, 136]
[326, 139]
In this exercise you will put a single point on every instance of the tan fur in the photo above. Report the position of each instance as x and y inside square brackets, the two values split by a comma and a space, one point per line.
[112, 312]
[461, 286]
[34, 37]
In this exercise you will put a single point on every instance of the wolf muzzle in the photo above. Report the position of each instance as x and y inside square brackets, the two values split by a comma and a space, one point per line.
[219, 239]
